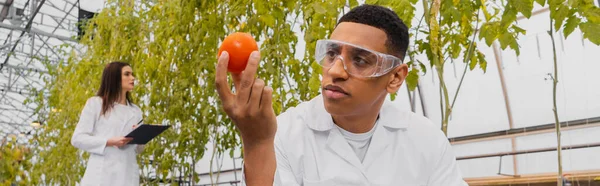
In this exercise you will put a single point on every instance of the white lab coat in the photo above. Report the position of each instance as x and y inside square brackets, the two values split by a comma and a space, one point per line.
[406, 150]
[107, 166]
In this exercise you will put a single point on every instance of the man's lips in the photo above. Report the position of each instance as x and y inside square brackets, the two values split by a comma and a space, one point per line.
[335, 88]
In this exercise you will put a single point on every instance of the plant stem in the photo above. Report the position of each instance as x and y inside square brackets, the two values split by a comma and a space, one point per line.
[554, 109]
[441, 101]
[212, 157]
[446, 102]
[467, 60]
[438, 59]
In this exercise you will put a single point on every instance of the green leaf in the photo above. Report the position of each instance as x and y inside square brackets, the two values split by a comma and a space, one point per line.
[519, 29]
[482, 61]
[508, 39]
[261, 7]
[489, 31]
[412, 79]
[487, 15]
[268, 19]
[473, 62]
[591, 32]
[560, 15]
[505, 40]
[523, 6]
[509, 16]
[353, 3]
[541, 2]
[291, 4]
[422, 67]
[483, 31]
[592, 15]
[455, 50]
[425, 47]
[314, 83]
[319, 8]
[572, 23]
[574, 3]
[515, 46]
[489, 38]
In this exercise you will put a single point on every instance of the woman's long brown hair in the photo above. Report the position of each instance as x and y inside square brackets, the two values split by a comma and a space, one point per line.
[110, 87]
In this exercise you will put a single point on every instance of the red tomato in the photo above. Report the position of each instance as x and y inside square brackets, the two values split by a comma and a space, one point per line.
[239, 45]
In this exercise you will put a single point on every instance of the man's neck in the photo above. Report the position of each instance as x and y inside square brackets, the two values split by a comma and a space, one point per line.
[363, 122]
[356, 123]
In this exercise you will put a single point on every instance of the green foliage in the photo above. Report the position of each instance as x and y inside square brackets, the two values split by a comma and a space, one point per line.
[13, 163]
[522, 6]
[412, 79]
[451, 34]
[572, 14]
[503, 28]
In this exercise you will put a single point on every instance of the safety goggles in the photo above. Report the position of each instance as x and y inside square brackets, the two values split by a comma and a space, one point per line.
[358, 61]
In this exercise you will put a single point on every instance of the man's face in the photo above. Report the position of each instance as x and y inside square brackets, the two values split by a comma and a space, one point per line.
[345, 94]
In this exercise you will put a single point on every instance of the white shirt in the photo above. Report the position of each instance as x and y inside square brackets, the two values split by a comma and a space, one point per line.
[109, 166]
[406, 149]
[358, 142]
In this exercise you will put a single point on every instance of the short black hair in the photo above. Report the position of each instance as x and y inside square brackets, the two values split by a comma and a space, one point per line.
[384, 19]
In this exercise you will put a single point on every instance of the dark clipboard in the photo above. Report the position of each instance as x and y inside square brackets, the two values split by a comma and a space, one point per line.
[144, 133]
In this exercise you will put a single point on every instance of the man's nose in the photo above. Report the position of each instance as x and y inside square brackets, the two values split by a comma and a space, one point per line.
[337, 70]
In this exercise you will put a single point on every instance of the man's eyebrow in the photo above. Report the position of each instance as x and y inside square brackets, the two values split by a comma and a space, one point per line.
[360, 51]
[334, 45]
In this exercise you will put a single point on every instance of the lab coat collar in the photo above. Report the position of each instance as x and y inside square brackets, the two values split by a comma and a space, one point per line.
[379, 145]
[339, 145]
[390, 116]
[127, 104]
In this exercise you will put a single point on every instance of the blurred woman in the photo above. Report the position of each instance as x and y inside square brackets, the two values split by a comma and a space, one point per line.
[105, 120]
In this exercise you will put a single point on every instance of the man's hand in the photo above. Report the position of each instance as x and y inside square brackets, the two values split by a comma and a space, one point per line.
[250, 107]
[251, 110]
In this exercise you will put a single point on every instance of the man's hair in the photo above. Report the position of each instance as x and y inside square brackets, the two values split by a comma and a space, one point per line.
[384, 19]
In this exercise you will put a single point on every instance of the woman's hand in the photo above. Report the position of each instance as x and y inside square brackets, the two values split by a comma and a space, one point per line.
[118, 141]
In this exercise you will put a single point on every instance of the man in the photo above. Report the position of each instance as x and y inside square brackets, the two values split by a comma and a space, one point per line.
[346, 136]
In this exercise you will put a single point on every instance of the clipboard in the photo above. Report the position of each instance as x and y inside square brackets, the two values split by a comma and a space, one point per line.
[144, 133]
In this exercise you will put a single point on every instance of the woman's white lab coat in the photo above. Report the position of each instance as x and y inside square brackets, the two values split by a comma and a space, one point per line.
[107, 165]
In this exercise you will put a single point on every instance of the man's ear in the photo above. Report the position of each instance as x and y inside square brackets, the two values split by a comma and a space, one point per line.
[397, 78]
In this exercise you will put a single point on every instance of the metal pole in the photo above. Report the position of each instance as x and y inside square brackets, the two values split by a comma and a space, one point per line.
[36, 31]
[506, 102]
[567, 125]
[548, 149]
[234, 168]
[422, 98]
[23, 31]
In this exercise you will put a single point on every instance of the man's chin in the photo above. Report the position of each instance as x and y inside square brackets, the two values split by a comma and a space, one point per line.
[336, 107]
